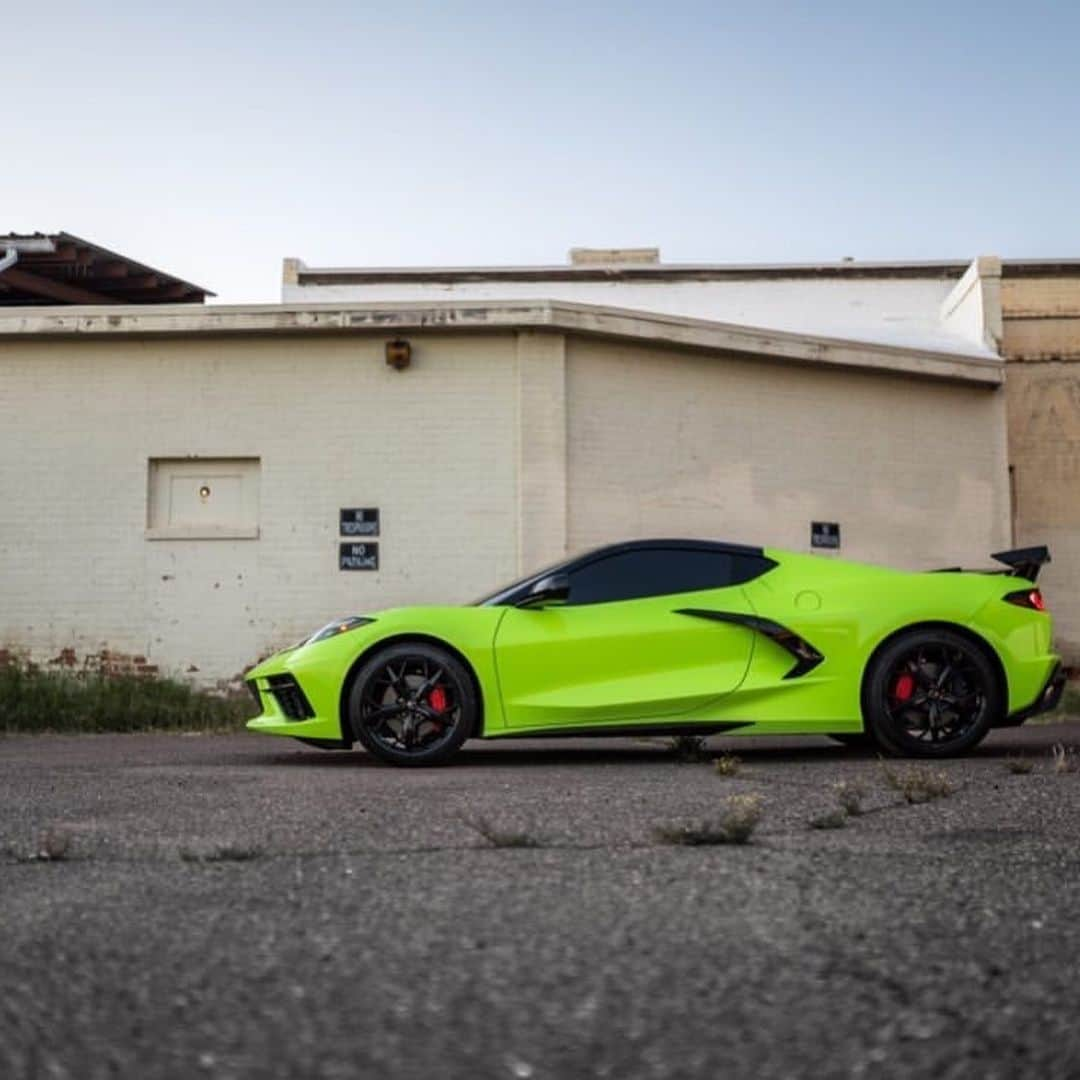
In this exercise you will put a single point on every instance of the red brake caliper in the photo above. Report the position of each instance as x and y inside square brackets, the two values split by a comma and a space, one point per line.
[437, 699]
[904, 687]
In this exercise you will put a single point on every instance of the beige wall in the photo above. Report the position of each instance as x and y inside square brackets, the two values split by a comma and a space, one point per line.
[1042, 344]
[670, 444]
[433, 447]
[494, 453]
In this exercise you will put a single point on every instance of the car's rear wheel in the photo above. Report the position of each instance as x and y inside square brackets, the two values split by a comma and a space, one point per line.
[413, 704]
[931, 693]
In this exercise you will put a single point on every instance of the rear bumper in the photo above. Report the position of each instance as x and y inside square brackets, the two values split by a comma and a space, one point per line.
[1047, 700]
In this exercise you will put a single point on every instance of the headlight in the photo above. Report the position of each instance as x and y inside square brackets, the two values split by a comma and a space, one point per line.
[339, 626]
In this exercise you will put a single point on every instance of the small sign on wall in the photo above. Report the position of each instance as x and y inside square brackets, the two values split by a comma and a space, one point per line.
[358, 556]
[359, 521]
[825, 534]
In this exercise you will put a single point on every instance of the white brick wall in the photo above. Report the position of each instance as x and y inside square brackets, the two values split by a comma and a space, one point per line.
[745, 450]
[493, 454]
[433, 447]
[541, 449]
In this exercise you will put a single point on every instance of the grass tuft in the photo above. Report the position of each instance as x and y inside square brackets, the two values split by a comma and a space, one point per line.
[830, 819]
[918, 783]
[689, 749]
[54, 845]
[849, 795]
[1019, 765]
[33, 700]
[727, 765]
[1065, 758]
[501, 838]
[734, 826]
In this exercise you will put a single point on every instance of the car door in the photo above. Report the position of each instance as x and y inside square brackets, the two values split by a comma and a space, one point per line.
[618, 650]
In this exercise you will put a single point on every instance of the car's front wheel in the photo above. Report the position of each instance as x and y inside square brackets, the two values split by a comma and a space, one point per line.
[413, 704]
[931, 693]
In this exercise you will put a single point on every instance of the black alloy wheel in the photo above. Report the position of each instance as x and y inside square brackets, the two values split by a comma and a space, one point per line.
[413, 704]
[932, 693]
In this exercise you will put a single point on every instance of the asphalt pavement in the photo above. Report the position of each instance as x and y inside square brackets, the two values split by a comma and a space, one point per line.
[237, 906]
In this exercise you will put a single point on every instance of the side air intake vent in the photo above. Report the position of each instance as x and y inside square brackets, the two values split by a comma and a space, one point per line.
[290, 697]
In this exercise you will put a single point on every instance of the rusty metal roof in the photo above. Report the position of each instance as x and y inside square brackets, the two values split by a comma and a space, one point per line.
[59, 268]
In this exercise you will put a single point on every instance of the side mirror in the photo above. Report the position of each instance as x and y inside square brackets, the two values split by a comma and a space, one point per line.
[554, 587]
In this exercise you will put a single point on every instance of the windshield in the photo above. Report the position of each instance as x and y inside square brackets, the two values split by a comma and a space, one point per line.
[500, 595]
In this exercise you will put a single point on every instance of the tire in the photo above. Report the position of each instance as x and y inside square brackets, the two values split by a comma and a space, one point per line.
[931, 693]
[413, 704]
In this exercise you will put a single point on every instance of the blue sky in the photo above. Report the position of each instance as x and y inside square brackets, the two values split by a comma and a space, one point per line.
[212, 139]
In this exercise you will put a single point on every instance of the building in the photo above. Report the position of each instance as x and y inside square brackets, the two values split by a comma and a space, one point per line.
[941, 306]
[1041, 344]
[198, 485]
[1027, 312]
[59, 268]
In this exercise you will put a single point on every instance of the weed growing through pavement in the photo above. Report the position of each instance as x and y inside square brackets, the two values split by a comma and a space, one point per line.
[54, 845]
[918, 783]
[735, 825]
[849, 795]
[727, 765]
[501, 838]
[689, 749]
[830, 819]
[1065, 758]
[1019, 765]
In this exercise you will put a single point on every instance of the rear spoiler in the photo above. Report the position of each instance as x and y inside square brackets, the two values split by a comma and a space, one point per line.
[1024, 562]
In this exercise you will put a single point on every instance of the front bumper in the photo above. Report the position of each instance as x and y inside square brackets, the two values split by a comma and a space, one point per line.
[295, 702]
[1046, 701]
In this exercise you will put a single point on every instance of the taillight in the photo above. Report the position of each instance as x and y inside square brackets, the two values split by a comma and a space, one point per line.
[1029, 598]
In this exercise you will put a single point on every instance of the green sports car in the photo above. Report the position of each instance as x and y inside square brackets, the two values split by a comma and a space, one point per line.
[681, 637]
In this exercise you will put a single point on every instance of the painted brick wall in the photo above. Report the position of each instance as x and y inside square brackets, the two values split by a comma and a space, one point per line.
[914, 471]
[541, 449]
[494, 453]
[434, 447]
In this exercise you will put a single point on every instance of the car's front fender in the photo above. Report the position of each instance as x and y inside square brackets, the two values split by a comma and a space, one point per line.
[323, 669]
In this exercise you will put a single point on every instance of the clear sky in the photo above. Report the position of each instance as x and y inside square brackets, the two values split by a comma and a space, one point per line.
[213, 138]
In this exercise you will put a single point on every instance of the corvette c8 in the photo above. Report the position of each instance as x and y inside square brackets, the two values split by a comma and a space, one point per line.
[681, 637]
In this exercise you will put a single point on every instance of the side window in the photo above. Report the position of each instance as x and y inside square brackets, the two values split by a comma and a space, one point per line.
[632, 575]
